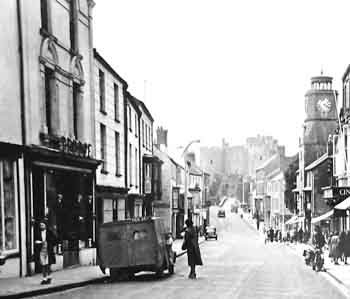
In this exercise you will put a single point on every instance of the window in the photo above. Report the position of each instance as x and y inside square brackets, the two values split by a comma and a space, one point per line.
[75, 109]
[130, 120]
[49, 93]
[101, 80]
[116, 102]
[44, 15]
[117, 153]
[73, 25]
[8, 207]
[120, 209]
[130, 165]
[143, 133]
[103, 147]
[146, 135]
[136, 125]
[136, 168]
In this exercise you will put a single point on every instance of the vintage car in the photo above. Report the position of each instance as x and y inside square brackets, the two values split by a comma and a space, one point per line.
[130, 246]
[221, 214]
[210, 233]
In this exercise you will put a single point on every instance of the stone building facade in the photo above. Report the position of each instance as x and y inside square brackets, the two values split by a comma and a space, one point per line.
[47, 107]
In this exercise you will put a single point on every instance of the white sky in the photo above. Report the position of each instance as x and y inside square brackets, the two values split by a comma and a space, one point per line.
[224, 68]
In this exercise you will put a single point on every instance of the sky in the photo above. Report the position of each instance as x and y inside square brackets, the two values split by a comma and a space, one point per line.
[226, 68]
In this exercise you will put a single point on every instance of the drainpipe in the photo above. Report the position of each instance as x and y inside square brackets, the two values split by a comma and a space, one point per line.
[21, 70]
[23, 130]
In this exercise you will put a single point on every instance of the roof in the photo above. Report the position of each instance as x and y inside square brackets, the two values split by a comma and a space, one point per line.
[267, 162]
[133, 102]
[144, 108]
[317, 162]
[98, 57]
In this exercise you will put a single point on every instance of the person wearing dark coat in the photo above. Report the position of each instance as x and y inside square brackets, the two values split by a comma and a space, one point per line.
[347, 247]
[342, 238]
[192, 246]
[300, 235]
[272, 234]
[45, 241]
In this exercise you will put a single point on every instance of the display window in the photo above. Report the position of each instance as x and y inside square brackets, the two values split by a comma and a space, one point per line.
[8, 207]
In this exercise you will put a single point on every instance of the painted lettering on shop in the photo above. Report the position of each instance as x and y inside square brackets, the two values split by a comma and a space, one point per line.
[66, 145]
[344, 192]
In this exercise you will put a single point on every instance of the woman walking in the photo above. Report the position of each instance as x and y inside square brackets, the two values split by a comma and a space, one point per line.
[334, 251]
[191, 244]
[44, 243]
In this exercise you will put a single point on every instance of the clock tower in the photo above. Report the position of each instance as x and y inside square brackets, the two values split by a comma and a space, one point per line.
[321, 118]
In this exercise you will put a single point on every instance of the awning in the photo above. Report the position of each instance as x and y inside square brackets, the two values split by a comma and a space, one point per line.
[344, 205]
[292, 220]
[295, 219]
[322, 217]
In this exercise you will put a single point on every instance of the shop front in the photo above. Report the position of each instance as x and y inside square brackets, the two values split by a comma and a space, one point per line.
[12, 211]
[62, 194]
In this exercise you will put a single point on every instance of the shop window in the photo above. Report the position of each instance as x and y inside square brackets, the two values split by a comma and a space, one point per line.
[107, 210]
[8, 207]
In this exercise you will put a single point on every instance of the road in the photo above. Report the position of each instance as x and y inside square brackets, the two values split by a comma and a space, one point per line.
[238, 265]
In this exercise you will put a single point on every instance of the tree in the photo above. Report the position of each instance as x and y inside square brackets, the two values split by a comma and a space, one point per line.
[290, 176]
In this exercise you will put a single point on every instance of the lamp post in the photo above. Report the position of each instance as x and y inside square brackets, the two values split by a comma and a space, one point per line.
[186, 174]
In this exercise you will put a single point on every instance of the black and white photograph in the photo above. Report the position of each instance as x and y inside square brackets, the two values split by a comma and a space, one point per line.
[175, 149]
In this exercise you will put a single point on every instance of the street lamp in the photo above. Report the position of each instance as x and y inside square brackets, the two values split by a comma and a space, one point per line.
[186, 171]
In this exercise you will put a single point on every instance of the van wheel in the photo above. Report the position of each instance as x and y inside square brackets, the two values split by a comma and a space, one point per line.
[114, 274]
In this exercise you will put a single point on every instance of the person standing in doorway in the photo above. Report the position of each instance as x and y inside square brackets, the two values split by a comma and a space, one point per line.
[191, 245]
[44, 243]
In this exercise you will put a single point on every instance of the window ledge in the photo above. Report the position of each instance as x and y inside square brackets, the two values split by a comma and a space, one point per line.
[104, 171]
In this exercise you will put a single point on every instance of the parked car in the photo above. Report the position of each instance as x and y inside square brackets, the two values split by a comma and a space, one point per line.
[221, 214]
[210, 233]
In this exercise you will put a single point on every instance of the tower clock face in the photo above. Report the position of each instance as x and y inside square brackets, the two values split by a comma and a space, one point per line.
[324, 105]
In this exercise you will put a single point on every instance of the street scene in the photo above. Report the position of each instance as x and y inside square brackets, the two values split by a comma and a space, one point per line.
[168, 149]
[237, 265]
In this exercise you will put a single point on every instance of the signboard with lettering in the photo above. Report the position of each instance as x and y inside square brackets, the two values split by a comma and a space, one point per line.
[341, 192]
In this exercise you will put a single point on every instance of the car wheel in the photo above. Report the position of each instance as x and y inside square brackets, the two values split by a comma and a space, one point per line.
[216, 238]
[206, 239]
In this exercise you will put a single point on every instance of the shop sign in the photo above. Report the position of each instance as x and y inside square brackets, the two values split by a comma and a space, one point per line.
[67, 145]
[341, 192]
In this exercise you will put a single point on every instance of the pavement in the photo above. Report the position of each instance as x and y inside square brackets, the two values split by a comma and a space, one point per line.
[340, 274]
[21, 287]
[238, 265]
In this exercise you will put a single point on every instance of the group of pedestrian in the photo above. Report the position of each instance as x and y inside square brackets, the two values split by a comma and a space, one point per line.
[273, 235]
[339, 246]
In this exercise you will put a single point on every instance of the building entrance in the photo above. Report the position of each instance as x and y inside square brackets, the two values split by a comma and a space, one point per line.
[64, 199]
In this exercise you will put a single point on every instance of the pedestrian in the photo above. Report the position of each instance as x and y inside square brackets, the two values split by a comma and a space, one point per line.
[334, 248]
[191, 245]
[280, 236]
[288, 236]
[271, 234]
[341, 245]
[347, 247]
[44, 243]
[300, 235]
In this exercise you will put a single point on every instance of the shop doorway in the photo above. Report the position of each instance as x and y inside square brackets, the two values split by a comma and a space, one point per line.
[64, 200]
